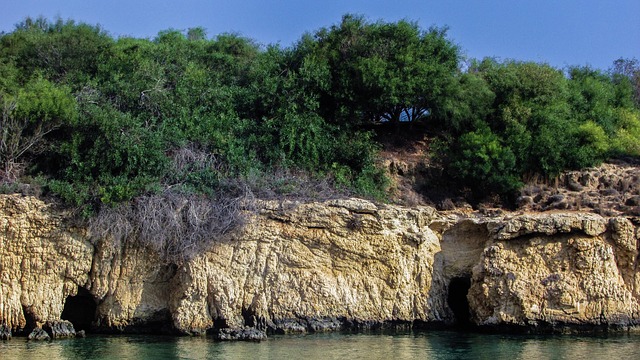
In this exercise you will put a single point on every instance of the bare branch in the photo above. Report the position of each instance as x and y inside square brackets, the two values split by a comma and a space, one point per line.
[176, 226]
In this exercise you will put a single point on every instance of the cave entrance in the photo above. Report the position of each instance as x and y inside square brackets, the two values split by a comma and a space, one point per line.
[457, 300]
[29, 318]
[80, 310]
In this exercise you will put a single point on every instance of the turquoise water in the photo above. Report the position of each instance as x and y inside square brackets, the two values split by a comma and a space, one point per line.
[426, 345]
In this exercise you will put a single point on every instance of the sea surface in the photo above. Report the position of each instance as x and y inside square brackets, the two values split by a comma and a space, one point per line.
[413, 345]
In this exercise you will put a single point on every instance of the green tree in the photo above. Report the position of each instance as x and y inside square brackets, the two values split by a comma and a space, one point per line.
[470, 103]
[530, 113]
[110, 157]
[383, 71]
[61, 50]
[481, 162]
[629, 69]
[29, 114]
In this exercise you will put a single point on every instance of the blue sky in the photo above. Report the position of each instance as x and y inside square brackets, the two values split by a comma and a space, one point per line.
[558, 32]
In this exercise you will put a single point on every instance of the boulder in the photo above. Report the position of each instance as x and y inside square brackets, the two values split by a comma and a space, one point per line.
[5, 332]
[59, 329]
[240, 334]
[38, 334]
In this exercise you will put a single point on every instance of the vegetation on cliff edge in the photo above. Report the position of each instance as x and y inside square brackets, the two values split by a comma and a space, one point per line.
[99, 121]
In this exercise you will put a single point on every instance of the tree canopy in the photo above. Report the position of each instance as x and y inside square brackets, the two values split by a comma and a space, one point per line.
[98, 120]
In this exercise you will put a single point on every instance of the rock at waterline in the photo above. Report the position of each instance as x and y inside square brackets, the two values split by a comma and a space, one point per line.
[60, 329]
[242, 334]
[39, 334]
[5, 332]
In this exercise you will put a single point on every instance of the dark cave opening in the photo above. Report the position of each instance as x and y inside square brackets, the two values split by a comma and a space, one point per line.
[457, 300]
[80, 310]
[30, 320]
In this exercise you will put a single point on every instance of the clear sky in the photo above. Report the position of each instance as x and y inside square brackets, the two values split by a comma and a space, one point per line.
[558, 32]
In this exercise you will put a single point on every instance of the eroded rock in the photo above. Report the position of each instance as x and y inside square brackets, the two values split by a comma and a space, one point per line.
[243, 334]
[311, 267]
[42, 261]
[38, 334]
[59, 329]
[570, 279]
[5, 332]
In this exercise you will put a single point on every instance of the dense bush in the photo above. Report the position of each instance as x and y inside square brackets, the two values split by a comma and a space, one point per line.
[101, 121]
[529, 119]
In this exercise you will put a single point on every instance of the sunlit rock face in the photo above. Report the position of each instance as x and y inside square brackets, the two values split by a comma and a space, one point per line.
[323, 266]
[42, 261]
[558, 269]
[296, 269]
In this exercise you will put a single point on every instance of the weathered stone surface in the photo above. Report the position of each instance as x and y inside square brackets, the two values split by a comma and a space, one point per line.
[42, 261]
[549, 224]
[354, 205]
[5, 332]
[59, 329]
[131, 286]
[609, 189]
[309, 267]
[567, 279]
[313, 265]
[243, 334]
[38, 334]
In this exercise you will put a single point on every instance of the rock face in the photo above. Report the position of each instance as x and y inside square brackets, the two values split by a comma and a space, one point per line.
[38, 334]
[59, 329]
[611, 189]
[42, 261]
[341, 259]
[558, 269]
[316, 267]
[244, 334]
[5, 332]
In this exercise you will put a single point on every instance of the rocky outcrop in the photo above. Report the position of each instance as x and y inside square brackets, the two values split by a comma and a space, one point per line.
[5, 332]
[43, 259]
[243, 334]
[611, 189]
[38, 334]
[131, 287]
[342, 259]
[557, 270]
[59, 329]
[313, 267]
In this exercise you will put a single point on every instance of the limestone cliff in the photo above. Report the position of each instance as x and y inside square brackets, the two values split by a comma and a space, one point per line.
[42, 261]
[547, 269]
[324, 266]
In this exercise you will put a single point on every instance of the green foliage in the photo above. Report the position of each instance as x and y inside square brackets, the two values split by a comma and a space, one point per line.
[63, 50]
[627, 138]
[628, 71]
[469, 103]
[483, 163]
[593, 143]
[30, 114]
[42, 101]
[531, 119]
[371, 182]
[104, 120]
[382, 71]
[110, 157]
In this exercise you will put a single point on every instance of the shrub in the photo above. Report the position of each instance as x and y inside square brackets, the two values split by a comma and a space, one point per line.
[175, 226]
[479, 161]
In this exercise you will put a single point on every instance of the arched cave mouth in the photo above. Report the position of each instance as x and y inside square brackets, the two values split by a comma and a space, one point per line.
[457, 300]
[80, 310]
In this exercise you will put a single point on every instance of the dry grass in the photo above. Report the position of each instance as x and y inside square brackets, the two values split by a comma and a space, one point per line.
[281, 184]
[178, 224]
[174, 225]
